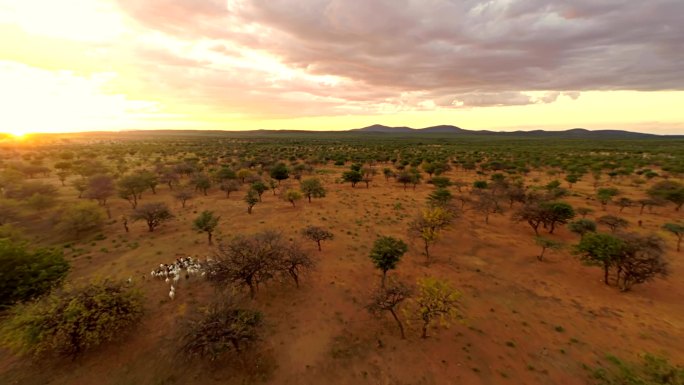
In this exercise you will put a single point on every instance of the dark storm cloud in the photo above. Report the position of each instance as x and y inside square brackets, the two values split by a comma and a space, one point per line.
[454, 53]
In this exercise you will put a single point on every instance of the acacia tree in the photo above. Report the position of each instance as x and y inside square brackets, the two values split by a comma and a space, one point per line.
[202, 182]
[487, 204]
[584, 211]
[312, 188]
[605, 195]
[100, 187]
[251, 198]
[556, 213]
[206, 222]
[259, 188]
[153, 213]
[676, 229]
[250, 261]
[352, 176]
[668, 190]
[131, 188]
[435, 300]
[428, 227]
[294, 261]
[546, 243]
[389, 299]
[183, 196]
[386, 253]
[612, 222]
[624, 202]
[292, 196]
[280, 172]
[597, 249]
[582, 226]
[317, 234]
[532, 213]
[642, 260]
[229, 186]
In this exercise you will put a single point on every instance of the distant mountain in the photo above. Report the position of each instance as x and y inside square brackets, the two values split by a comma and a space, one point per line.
[385, 129]
[575, 133]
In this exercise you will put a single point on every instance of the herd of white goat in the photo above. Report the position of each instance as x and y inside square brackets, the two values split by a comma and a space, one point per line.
[171, 273]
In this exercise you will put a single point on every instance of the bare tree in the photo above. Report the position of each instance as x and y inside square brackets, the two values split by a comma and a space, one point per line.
[388, 299]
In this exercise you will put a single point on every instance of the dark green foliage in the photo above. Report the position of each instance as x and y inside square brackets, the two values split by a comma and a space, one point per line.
[251, 198]
[678, 231]
[604, 195]
[279, 172]
[221, 329]
[635, 258]
[75, 319]
[386, 254]
[28, 274]
[601, 250]
[557, 213]
[352, 177]
[669, 191]
[440, 198]
[480, 184]
[652, 370]
[407, 177]
[440, 181]
[206, 222]
[259, 187]
[582, 226]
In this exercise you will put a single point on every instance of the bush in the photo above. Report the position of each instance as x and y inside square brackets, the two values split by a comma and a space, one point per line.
[28, 274]
[223, 328]
[74, 319]
[652, 370]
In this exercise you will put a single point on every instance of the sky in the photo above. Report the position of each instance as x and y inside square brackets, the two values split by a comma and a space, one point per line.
[83, 65]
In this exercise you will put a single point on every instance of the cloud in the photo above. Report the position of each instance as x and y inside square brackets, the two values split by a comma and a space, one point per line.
[323, 56]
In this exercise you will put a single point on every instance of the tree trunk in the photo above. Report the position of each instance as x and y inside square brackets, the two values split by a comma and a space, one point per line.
[427, 252]
[605, 273]
[209, 237]
[425, 328]
[382, 281]
[401, 326]
[541, 256]
[319, 245]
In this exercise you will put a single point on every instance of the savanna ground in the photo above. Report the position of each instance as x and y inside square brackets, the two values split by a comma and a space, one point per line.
[522, 321]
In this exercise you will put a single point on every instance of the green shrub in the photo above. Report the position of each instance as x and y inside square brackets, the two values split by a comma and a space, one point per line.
[27, 274]
[652, 370]
[73, 320]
